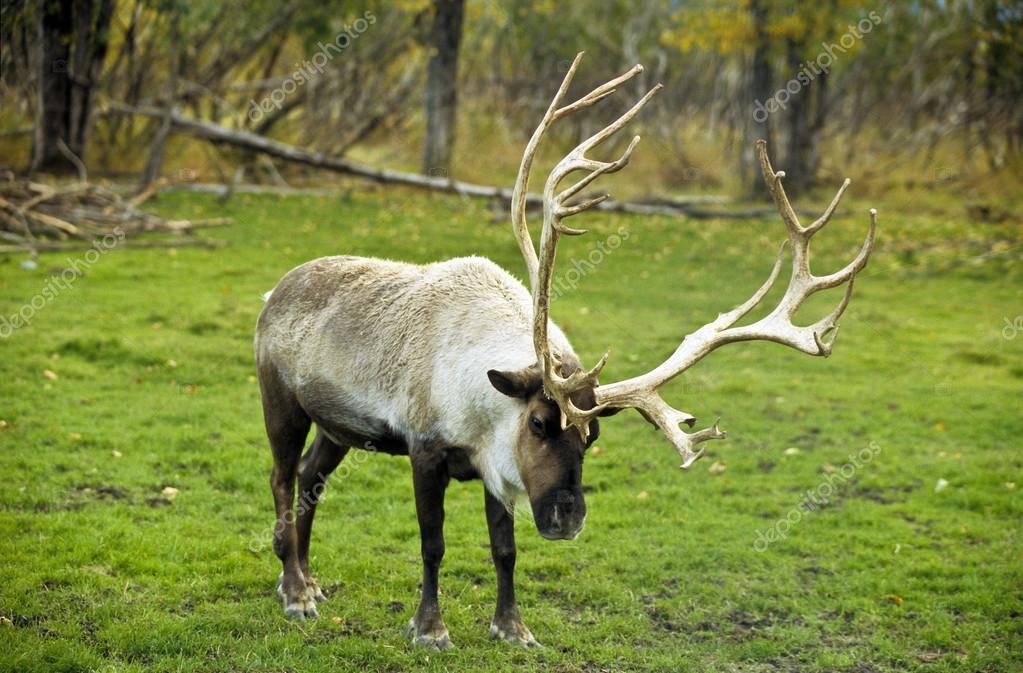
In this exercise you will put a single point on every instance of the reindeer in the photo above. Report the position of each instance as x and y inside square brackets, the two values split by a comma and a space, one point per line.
[458, 366]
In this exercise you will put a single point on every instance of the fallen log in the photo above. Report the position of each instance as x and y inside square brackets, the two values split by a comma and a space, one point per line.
[219, 189]
[59, 246]
[616, 206]
[256, 143]
[17, 131]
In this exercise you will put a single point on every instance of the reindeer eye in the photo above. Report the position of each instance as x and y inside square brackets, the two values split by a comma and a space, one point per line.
[536, 423]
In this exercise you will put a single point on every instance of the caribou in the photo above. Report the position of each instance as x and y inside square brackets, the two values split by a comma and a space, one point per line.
[458, 366]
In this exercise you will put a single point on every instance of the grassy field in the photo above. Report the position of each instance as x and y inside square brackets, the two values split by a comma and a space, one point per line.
[863, 515]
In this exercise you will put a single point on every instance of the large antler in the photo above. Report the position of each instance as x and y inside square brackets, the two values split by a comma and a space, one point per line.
[641, 392]
[553, 114]
[559, 388]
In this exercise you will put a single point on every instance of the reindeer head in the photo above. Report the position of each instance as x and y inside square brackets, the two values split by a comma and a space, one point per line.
[549, 455]
[573, 391]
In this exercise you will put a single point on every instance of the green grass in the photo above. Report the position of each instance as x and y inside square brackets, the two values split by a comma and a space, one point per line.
[154, 387]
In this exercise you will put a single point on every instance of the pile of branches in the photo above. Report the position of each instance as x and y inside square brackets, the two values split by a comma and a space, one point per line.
[37, 217]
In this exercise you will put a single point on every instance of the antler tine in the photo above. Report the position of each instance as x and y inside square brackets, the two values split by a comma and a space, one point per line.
[577, 160]
[600, 169]
[731, 317]
[829, 324]
[829, 211]
[641, 393]
[669, 420]
[520, 223]
[615, 126]
[556, 386]
[598, 94]
[852, 268]
[773, 181]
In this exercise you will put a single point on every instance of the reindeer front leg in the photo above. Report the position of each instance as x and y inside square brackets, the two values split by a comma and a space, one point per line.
[430, 480]
[507, 624]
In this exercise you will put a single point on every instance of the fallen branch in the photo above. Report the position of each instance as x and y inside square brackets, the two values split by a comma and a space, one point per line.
[261, 144]
[51, 246]
[615, 206]
[47, 192]
[219, 189]
[56, 223]
[684, 201]
[274, 148]
[189, 225]
[152, 188]
[15, 221]
[17, 131]
[31, 212]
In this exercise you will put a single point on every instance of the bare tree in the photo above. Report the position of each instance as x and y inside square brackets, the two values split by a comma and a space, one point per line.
[73, 39]
[156, 152]
[805, 121]
[53, 104]
[441, 85]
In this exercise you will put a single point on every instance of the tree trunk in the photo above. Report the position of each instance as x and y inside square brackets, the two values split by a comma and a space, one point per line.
[92, 34]
[73, 39]
[757, 125]
[801, 156]
[53, 94]
[156, 151]
[441, 86]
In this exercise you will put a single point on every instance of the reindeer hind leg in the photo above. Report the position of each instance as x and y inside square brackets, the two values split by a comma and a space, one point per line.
[287, 426]
[316, 465]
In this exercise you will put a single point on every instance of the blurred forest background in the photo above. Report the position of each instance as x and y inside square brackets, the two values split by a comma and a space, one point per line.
[909, 95]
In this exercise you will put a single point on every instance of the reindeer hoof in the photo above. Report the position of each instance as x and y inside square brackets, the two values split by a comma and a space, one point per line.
[299, 607]
[313, 590]
[432, 639]
[515, 632]
[301, 610]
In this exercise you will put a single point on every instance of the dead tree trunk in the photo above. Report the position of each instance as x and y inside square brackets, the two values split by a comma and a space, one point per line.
[92, 37]
[53, 93]
[801, 157]
[441, 86]
[73, 39]
[155, 160]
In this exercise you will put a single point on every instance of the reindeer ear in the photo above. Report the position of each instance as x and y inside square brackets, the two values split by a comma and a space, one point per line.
[521, 383]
